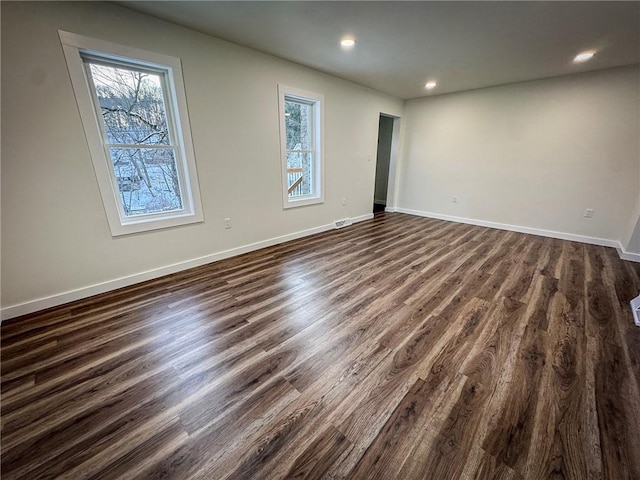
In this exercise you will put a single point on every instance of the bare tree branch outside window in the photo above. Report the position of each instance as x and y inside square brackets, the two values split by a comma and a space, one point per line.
[134, 115]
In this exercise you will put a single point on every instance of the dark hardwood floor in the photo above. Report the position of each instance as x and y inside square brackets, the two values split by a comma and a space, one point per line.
[400, 347]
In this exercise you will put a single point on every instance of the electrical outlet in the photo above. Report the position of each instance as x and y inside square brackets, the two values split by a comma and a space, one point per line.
[227, 223]
[588, 213]
[455, 199]
[344, 201]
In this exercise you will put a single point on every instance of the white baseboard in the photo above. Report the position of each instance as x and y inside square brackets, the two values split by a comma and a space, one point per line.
[635, 310]
[632, 257]
[16, 310]
[515, 228]
[362, 218]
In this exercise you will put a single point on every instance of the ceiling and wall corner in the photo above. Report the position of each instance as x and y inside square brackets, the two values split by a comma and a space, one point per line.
[400, 45]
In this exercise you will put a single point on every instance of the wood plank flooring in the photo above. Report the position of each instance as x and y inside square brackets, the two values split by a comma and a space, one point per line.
[400, 347]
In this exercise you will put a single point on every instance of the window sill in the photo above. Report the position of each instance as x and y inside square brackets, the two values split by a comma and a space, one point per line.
[149, 224]
[302, 202]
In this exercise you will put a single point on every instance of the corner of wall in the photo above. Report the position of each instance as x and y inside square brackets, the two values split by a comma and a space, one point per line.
[631, 250]
[631, 241]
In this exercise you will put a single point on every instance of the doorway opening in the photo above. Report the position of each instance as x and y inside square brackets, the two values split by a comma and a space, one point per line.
[383, 162]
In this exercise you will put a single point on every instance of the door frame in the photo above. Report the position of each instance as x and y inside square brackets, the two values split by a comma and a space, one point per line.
[392, 185]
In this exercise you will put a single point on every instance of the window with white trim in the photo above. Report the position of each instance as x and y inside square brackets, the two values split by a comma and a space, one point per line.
[301, 117]
[133, 110]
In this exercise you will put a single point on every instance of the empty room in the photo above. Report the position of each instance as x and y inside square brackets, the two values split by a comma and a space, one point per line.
[329, 240]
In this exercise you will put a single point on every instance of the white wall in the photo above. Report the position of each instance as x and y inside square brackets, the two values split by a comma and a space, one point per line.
[633, 244]
[631, 241]
[534, 154]
[55, 236]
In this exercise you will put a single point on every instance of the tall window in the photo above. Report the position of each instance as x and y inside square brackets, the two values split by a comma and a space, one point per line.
[301, 141]
[134, 113]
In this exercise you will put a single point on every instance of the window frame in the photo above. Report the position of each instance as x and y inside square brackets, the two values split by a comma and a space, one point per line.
[75, 47]
[316, 101]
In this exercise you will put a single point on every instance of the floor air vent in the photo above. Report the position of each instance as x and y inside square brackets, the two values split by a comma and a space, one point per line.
[635, 308]
[345, 222]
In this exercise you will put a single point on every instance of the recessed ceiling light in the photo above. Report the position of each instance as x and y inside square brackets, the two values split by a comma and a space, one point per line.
[584, 56]
[430, 85]
[347, 42]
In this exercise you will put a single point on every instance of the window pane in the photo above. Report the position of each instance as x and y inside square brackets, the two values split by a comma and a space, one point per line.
[299, 174]
[132, 105]
[298, 125]
[147, 180]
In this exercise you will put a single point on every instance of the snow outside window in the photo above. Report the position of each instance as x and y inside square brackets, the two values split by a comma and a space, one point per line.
[133, 109]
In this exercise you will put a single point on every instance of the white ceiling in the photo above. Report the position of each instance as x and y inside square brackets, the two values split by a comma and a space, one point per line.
[401, 45]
